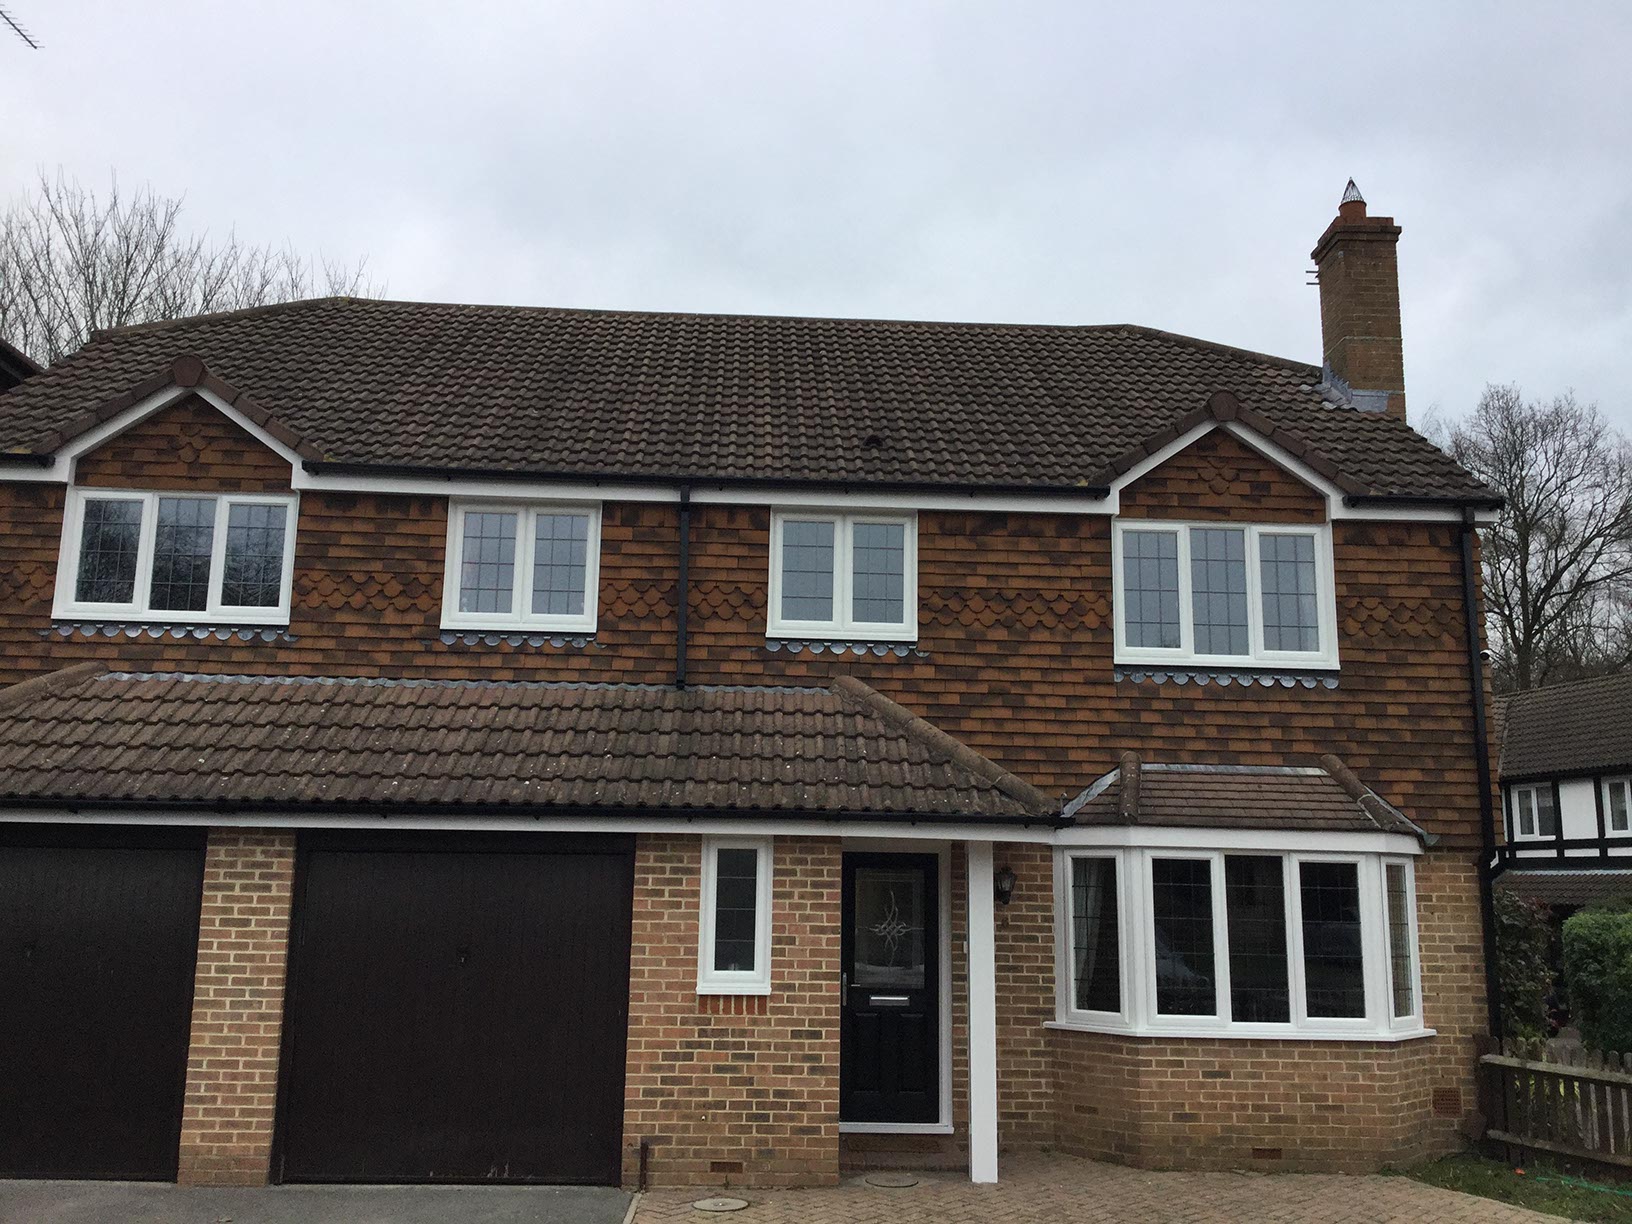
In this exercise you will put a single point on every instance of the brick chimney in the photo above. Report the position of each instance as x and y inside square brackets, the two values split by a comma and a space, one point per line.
[1356, 262]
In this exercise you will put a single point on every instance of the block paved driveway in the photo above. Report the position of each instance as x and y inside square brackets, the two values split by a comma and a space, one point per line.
[1063, 1190]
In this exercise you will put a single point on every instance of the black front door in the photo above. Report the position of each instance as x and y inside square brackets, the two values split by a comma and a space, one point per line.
[889, 1055]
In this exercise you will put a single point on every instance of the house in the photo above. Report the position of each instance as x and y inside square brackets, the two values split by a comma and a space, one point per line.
[15, 366]
[1566, 778]
[481, 743]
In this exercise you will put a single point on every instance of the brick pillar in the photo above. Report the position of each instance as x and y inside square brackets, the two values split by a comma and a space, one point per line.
[232, 1058]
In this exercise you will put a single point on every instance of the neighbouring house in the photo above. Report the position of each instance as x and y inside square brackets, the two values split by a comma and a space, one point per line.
[16, 366]
[481, 743]
[1566, 777]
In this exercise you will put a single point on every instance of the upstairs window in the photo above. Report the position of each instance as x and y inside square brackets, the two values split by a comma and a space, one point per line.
[522, 567]
[844, 575]
[1618, 806]
[1220, 594]
[177, 557]
[1535, 815]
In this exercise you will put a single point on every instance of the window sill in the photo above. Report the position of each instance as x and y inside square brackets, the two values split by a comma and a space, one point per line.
[219, 630]
[494, 637]
[1242, 1033]
[895, 1128]
[881, 648]
[1242, 677]
[733, 988]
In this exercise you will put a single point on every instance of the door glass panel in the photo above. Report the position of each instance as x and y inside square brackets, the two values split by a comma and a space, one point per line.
[889, 929]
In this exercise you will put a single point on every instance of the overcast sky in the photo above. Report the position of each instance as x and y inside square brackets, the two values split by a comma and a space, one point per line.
[1066, 163]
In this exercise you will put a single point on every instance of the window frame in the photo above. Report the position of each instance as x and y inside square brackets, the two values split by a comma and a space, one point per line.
[1137, 931]
[843, 624]
[67, 606]
[519, 617]
[712, 981]
[1414, 1019]
[1536, 835]
[1065, 933]
[1624, 781]
[1326, 658]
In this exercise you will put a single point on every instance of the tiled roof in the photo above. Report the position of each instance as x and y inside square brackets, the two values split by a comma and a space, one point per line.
[648, 396]
[86, 737]
[1569, 728]
[1570, 887]
[1327, 799]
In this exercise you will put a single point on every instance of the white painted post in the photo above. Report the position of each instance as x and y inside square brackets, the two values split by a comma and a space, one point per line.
[982, 1018]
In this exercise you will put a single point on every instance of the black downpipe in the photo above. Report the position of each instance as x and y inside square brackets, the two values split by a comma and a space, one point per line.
[1481, 757]
[682, 589]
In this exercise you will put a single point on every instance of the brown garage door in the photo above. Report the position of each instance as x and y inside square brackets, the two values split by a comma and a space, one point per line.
[457, 1010]
[98, 937]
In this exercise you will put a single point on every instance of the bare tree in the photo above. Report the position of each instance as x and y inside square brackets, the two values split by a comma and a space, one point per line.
[73, 262]
[1558, 564]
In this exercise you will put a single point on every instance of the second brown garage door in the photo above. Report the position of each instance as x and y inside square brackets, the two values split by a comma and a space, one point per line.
[457, 1010]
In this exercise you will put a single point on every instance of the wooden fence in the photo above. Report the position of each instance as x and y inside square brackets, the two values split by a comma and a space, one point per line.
[1570, 1103]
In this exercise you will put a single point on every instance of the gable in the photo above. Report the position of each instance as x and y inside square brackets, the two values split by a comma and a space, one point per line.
[1219, 476]
[190, 445]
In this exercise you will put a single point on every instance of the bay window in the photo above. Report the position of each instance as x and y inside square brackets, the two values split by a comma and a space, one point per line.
[849, 575]
[522, 566]
[1225, 943]
[1223, 594]
[185, 557]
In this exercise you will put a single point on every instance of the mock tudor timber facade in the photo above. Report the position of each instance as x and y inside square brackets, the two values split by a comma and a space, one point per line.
[1011, 745]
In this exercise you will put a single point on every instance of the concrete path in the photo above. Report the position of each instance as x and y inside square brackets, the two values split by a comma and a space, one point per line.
[1062, 1190]
[48, 1202]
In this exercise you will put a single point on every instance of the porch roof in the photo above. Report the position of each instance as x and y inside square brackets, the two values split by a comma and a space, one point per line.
[91, 737]
[1324, 798]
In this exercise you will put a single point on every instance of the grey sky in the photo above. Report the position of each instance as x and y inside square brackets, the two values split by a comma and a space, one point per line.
[1024, 161]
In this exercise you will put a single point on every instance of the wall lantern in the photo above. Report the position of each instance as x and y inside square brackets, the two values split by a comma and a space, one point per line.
[1003, 885]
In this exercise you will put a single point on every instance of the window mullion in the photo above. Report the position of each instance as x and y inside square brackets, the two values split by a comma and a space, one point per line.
[1187, 610]
[144, 552]
[1257, 646]
[1374, 937]
[220, 516]
[844, 529]
[1222, 1005]
[526, 546]
[1294, 940]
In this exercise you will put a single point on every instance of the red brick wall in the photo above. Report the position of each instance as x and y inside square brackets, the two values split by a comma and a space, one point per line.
[232, 1060]
[746, 1095]
[1352, 1106]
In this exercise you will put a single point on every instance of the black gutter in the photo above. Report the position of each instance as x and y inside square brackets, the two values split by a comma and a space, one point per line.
[1481, 758]
[682, 589]
[1424, 499]
[535, 811]
[672, 480]
[28, 457]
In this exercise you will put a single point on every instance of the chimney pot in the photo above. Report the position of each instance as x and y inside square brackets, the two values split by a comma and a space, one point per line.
[1357, 264]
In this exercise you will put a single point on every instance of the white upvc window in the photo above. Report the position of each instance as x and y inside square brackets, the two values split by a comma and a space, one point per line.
[1224, 594]
[1535, 814]
[848, 575]
[734, 926]
[522, 565]
[1617, 807]
[1228, 943]
[204, 558]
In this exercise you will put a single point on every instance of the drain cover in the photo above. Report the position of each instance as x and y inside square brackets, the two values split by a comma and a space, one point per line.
[720, 1204]
[891, 1181]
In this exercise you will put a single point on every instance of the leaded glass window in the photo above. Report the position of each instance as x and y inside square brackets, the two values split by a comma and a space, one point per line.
[1255, 909]
[1333, 962]
[1095, 935]
[560, 563]
[1401, 960]
[252, 574]
[807, 570]
[879, 554]
[1291, 613]
[1150, 586]
[110, 540]
[1182, 926]
[1218, 589]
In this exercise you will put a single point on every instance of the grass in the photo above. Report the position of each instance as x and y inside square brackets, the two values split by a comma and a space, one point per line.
[1540, 1187]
